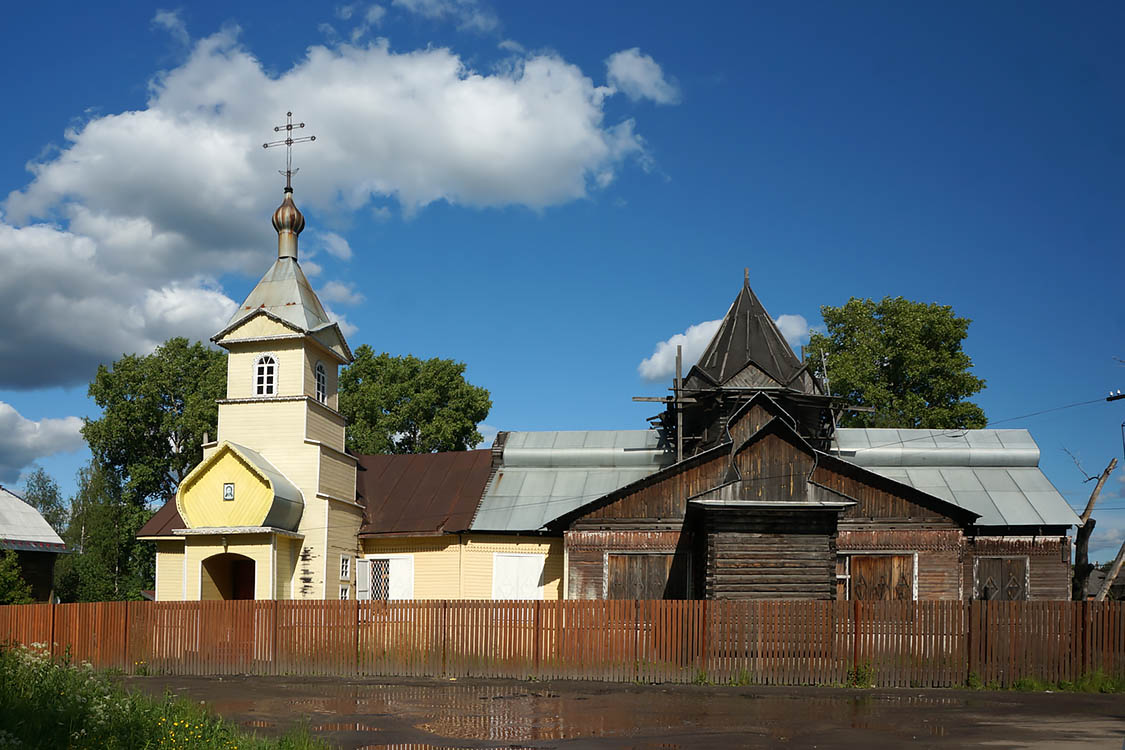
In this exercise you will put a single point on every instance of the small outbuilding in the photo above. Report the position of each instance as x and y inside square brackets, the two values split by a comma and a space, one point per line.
[37, 546]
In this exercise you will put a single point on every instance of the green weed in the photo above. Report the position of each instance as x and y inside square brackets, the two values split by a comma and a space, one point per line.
[861, 676]
[44, 704]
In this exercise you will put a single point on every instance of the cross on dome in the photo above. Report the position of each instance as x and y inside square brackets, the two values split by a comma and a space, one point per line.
[288, 142]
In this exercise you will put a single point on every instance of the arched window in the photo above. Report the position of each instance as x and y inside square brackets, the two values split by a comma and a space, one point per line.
[321, 383]
[265, 376]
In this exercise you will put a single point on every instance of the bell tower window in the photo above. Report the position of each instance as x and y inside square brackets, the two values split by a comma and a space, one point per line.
[321, 383]
[265, 376]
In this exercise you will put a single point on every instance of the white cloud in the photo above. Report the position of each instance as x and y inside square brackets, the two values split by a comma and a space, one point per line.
[342, 292]
[22, 441]
[333, 244]
[511, 45]
[103, 261]
[694, 340]
[640, 77]
[467, 14]
[488, 435]
[170, 21]
[1107, 538]
[794, 328]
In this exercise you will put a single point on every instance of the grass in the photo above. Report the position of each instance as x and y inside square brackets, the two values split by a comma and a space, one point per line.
[43, 704]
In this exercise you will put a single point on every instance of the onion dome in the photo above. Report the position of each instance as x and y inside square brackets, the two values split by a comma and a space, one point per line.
[289, 222]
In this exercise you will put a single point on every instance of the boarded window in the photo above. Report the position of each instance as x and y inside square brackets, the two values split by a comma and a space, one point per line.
[881, 577]
[647, 576]
[517, 576]
[1001, 579]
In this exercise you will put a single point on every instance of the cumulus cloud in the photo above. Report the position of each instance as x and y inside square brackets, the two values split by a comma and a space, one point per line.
[467, 14]
[694, 340]
[23, 441]
[1108, 535]
[638, 76]
[102, 261]
[794, 328]
[662, 363]
[342, 292]
[170, 21]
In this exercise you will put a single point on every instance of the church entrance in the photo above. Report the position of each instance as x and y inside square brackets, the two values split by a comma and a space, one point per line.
[227, 576]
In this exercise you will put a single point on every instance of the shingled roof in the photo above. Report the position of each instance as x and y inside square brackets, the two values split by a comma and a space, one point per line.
[748, 335]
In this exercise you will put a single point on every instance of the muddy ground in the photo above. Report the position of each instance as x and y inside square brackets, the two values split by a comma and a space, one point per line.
[423, 714]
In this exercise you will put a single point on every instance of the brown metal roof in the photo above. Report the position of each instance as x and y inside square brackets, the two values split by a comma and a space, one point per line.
[163, 521]
[424, 493]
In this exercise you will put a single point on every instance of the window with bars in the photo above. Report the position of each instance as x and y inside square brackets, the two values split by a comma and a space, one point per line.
[265, 376]
[381, 579]
[321, 383]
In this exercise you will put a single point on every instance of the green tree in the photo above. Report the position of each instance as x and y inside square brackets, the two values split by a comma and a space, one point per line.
[410, 405]
[902, 358]
[41, 492]
[155, 410]
[109, 562]
[13, 589]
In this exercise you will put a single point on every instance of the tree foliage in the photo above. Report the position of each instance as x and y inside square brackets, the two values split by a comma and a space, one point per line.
[903, 358]
[410, 405]
[155, 410]
[13, 589]
[109, 563]
[41, 492]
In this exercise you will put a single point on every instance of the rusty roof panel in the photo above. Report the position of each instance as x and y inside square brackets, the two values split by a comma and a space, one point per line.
[424, 493]
[163, 522]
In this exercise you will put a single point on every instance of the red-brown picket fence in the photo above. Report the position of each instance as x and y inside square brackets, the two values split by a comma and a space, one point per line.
[904, 644]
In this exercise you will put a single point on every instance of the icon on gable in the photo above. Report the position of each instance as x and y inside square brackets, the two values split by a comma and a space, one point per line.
[228, 491]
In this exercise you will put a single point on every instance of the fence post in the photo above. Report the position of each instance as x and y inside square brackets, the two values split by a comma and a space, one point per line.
[125, 641]
[968, 620]
[444, 635]
[637, 640]
[536, 634]
[358, 605]
[51, 635]
[273, 644]
[855, 634]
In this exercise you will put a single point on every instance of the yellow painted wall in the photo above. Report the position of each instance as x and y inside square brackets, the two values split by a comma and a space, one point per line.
[258, 327]
[255, 546]
[169, 571]
[313, 354]
[201, 502]
[287, 550]
[460, 566]
[275, 429]
[326, 427]
[337, 475]
[343, 539]
[243, 358]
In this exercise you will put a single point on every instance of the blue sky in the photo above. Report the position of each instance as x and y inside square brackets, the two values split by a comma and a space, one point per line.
[548, 192]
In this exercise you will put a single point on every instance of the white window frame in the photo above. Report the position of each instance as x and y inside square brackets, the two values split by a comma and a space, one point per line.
[345, 593]
[345, 567]
[260, 388]
[392, 556]
[320, 375]
[496, 556]
[847, 575]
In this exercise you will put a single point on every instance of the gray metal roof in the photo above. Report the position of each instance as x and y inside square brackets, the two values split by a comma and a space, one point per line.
[23, 528]
[285, 292]
[547, 474]
[994, 473]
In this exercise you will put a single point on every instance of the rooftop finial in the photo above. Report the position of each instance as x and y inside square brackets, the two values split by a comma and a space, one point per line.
[288, 142]
[287, 219]
[746, 276]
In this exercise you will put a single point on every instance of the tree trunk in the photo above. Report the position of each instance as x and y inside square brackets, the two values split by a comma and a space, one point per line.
[1111, 576]
[1082, 566]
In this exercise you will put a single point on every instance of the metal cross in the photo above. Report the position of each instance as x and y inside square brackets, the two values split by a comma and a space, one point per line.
[288, 142]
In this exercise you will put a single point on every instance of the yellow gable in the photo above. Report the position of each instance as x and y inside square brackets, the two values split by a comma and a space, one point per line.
[236, 487]
[257, 327]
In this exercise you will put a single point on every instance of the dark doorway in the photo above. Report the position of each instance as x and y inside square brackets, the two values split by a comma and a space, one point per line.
[228, 576]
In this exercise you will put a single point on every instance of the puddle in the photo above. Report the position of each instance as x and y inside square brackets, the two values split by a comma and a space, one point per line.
[259, 724]
[345, 726]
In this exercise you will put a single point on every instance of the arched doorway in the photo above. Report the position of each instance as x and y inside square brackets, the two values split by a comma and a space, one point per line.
[227, 576]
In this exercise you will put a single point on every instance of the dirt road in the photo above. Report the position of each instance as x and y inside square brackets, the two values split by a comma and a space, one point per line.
[419, 714]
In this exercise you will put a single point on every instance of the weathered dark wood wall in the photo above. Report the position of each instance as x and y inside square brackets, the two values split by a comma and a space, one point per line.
[940, 552]
[587, 554]
[38, 570]
[770, 554]
[662, 499]
[1048, 562]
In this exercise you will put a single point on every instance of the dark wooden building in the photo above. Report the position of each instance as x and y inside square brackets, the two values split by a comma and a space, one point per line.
[766, 504]
[37, 546]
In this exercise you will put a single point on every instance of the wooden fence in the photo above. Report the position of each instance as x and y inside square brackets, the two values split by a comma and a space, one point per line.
[903, 644]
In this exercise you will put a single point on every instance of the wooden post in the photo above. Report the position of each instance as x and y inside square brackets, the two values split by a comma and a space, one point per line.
[273, 645]
[536, 634]
[52, 635]
[677, 394]
[125, 641]
[855, 634]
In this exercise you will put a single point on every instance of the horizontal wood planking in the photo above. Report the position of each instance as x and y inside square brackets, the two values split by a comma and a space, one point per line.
[896, 644]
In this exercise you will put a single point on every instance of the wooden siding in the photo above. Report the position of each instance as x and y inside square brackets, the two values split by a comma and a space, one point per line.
[1048, 563]
[326, 427]
[664, 497]
[749, 421]
[773, 469]
[875, 503]
[587, 552]
[170, 571]
[940, 552]
[771, 554]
